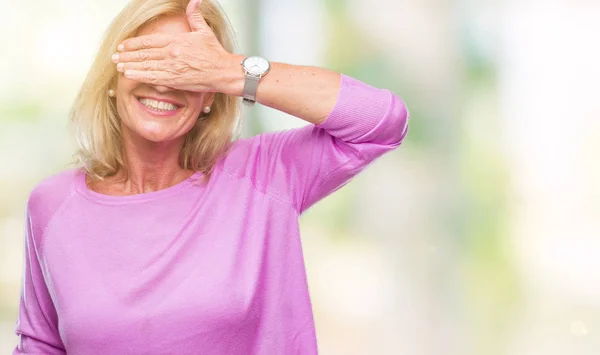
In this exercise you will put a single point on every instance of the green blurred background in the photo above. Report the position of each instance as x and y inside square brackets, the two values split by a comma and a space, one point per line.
[480, 235]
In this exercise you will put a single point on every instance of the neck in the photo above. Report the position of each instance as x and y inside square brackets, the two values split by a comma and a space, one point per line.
[151, 166]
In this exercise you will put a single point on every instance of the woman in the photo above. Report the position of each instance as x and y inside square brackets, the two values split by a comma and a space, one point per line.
[169, 238]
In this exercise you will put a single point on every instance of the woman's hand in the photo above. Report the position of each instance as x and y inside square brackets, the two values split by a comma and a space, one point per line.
[188, 61]
[196, 61]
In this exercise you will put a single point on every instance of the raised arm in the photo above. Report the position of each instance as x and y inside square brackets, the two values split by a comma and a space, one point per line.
[306, 92]
[352, 123]
[196, 61]
[306, 164]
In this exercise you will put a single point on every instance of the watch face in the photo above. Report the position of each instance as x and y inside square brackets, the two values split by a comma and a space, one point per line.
[256, 65]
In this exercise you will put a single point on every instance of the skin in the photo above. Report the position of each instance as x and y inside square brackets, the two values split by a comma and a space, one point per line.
[180, 58]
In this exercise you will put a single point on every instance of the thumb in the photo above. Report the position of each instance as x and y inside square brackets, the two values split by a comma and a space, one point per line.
[194, 16]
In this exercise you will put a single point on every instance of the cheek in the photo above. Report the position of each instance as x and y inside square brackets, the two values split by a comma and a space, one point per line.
[123, 90]
[124, 84]
[194, 101]
[124, 113]
[189, 123]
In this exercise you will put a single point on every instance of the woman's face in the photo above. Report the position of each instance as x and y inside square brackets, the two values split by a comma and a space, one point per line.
[158, 113]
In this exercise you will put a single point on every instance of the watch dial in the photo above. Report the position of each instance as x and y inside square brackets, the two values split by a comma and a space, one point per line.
[256, 65]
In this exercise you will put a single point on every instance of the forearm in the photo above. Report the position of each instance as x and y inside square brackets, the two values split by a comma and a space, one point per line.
[307, 92]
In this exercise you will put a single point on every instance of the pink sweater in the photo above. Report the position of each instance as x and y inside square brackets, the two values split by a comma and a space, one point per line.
[196, 269]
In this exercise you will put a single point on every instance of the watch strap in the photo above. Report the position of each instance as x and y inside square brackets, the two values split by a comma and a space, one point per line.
[250, 88]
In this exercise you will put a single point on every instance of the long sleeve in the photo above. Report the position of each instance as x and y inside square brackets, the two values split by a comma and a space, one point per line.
[37, 324]
[216, 266]
[306, 164]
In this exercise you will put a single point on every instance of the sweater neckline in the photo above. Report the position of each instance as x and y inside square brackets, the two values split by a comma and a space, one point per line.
[83, 189]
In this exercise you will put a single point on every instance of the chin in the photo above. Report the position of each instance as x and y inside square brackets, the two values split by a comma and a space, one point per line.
[157, 132]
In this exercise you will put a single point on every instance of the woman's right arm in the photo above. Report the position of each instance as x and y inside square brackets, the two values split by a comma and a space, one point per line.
[37, 324]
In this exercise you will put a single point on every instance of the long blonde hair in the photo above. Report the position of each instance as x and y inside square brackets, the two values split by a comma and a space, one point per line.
[94, 114]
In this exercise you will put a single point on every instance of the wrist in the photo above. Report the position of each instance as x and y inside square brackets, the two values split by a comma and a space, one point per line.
[231, 78]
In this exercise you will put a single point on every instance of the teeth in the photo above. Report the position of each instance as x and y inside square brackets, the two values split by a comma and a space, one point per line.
[158, 105]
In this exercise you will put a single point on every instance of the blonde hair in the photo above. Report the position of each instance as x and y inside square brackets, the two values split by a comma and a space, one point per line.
[94, 114]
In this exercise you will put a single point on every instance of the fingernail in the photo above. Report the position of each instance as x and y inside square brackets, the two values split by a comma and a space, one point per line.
[120, 66]
[127, 73]
[120, 47]
[115, 57]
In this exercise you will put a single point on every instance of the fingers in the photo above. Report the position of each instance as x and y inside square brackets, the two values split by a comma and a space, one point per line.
[155, 77]
[145, 42]
[150, 65]
[194, 16]
[139, 56]
[193, 7]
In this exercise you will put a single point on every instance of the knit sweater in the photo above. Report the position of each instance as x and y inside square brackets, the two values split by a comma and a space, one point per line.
[214, 268]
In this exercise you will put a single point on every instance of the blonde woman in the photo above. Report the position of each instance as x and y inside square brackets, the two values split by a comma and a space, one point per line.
[170, 237]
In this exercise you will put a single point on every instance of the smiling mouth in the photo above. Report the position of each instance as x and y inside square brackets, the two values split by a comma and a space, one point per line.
[158, 106]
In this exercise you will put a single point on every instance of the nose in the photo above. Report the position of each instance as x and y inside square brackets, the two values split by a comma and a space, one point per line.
[162, 89]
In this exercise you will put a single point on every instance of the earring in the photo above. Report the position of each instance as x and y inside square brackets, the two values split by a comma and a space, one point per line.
[206, 109]
[111, 93]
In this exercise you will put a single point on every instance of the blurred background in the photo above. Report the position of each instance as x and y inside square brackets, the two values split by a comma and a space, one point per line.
[480, 235]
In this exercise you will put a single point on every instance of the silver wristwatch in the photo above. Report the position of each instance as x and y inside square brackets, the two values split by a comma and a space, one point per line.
[254, 68]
